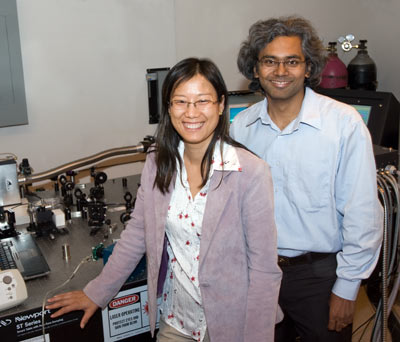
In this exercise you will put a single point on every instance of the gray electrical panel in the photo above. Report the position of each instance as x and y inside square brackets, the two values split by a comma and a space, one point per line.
[12, 90]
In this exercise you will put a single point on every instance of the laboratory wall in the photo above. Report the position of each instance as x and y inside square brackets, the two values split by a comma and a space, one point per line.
[216, 29]
[85, 67]
[85, 61]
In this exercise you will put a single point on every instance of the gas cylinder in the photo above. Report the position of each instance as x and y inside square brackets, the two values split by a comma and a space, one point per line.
[362, 70]
[334, 74]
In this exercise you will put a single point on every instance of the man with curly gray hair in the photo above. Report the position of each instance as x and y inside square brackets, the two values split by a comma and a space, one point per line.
[327, 212]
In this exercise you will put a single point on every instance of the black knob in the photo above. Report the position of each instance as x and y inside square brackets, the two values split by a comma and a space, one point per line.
[69, 186]
[24, 167]
[67, 213]
[100, 178]
[124, 217]
[128, 197]
[63, 179]
[78, 193]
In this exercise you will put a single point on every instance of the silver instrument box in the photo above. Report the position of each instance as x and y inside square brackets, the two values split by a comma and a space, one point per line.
[9, 189]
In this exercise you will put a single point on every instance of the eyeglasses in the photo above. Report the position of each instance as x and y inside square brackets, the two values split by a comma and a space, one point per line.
[270, 63]
[199, 104]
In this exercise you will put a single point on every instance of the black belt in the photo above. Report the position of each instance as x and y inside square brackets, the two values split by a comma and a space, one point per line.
[302, 259]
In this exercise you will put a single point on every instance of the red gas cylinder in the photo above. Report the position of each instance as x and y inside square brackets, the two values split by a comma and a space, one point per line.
[335, 73]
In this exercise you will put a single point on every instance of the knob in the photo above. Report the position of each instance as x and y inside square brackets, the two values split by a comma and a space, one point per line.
[7, 279]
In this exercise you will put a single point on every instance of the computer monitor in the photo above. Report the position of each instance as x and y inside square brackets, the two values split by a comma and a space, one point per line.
[365, 112]
[235, 109]
[240, 100]
[379, 110]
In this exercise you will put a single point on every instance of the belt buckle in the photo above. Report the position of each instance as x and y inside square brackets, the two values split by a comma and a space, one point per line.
[283, 261]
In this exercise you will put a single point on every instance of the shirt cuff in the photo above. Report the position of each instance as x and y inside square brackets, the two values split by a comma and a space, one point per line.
[347, 289]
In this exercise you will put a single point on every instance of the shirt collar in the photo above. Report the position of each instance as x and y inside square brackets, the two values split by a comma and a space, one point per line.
[259, 113]
[309, 113]
[230, 160]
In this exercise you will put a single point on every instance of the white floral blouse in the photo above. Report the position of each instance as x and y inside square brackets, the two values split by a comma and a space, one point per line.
[181, 302]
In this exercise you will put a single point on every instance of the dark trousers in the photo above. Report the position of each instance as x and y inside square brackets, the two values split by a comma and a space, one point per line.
[304, 299]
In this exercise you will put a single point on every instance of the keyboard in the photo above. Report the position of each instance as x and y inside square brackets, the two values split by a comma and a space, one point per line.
[6, 258]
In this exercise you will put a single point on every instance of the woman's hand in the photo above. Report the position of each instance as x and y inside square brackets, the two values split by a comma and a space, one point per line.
[71, 301]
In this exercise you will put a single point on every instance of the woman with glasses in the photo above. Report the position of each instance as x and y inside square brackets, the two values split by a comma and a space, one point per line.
[204, 217]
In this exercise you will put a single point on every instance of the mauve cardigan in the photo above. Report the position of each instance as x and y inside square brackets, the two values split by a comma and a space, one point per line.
[238, 272]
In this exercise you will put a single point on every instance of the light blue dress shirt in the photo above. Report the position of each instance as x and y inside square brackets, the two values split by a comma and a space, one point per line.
[324, 178]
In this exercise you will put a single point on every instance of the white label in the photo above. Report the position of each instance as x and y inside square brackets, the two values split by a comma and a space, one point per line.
[38, 339]
[126, 315]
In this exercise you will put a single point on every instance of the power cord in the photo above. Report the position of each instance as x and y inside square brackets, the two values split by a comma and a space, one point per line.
[366, 324]
[86, 259]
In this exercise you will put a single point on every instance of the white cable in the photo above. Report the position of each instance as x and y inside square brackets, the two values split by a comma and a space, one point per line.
[396, 242]
[389, 269]
[84, 260]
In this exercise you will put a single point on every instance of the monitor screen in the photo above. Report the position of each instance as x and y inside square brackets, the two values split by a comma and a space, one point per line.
[235, 109]
[241, 99]
[364, 111]
[379, 110]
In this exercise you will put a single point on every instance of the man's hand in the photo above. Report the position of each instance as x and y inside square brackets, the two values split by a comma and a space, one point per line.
[341, 312]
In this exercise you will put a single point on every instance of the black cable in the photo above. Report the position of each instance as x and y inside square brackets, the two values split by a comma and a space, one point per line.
[362, 324]
[366, 327]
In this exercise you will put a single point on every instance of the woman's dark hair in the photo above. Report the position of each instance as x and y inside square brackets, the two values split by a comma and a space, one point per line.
[263, 32]
[167, 138]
